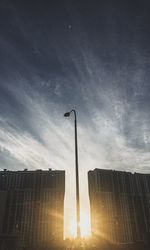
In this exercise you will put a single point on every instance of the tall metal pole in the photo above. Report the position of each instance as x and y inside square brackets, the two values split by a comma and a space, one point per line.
[77, 173]
[77, 179]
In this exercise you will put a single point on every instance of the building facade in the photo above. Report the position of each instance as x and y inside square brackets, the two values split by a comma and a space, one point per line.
[32, 207]
[120, 205]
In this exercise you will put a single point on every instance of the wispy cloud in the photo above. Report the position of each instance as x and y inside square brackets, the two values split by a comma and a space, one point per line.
[105, 80]
[42, 138]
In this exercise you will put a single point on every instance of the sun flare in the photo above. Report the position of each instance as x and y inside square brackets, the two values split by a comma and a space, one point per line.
[85, 226]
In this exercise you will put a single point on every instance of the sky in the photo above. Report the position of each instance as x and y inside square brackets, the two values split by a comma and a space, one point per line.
[91, 56]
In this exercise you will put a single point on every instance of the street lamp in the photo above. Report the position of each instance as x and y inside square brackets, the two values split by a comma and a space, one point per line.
[77, 173]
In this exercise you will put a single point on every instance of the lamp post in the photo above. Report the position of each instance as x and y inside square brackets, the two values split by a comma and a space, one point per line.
[77, 172]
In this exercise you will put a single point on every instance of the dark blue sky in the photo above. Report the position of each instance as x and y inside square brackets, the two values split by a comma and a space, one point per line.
[93, 56]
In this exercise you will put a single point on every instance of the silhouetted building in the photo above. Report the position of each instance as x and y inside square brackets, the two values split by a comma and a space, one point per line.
[120, 206]
[32, 207]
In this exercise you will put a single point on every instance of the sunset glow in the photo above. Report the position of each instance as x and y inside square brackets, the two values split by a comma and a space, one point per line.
[85, 226]
[74, 125]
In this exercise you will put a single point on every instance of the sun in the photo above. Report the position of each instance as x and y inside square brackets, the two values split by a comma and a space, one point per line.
[73, 226]
[85, 226]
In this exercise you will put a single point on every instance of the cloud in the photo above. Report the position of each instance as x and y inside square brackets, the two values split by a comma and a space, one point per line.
[43, 77]
[40, 137]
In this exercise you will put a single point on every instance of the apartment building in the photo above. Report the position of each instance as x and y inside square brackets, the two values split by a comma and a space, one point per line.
[32, 207]
[120, 205]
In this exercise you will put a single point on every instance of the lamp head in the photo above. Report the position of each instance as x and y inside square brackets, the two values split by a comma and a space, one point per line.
[67, 114]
